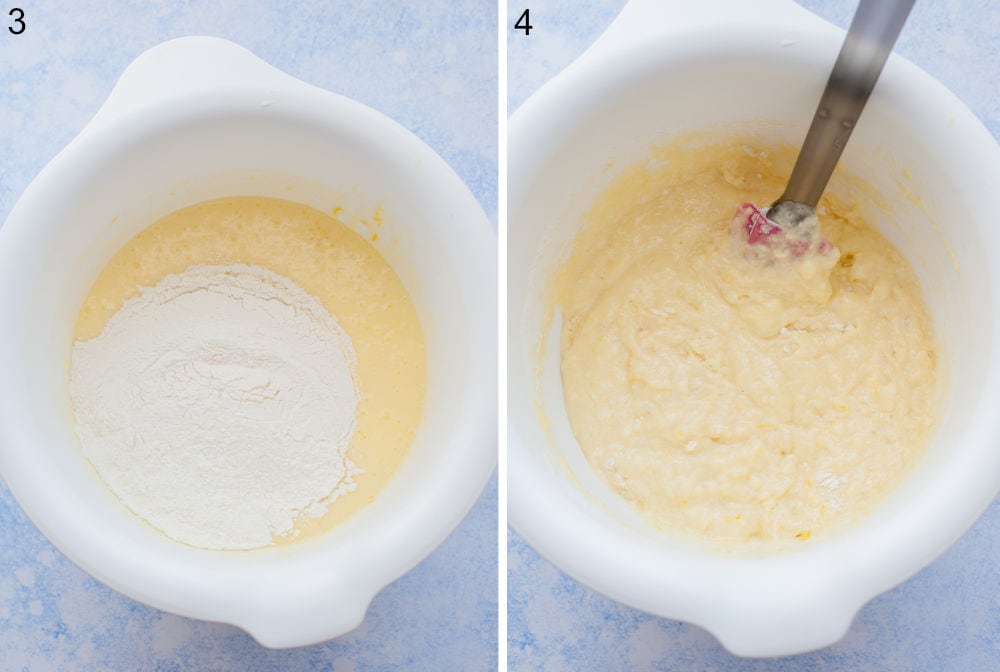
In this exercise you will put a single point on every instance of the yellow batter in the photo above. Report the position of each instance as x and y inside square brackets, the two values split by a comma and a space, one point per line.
[734, 398]
[332, 263]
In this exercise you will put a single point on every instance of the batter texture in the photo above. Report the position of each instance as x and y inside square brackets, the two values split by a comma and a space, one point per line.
[731, 396]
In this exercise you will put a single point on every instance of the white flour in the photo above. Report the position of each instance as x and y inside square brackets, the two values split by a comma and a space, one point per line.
[218, 405]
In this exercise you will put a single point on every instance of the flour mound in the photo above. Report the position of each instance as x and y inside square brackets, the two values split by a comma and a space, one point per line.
[218, 405]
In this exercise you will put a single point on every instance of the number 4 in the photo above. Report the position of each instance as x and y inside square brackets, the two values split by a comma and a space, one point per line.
[524, 23]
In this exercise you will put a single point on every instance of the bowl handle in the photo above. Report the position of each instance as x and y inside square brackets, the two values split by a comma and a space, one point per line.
[794, 619]
[188, 66]
[662, 19]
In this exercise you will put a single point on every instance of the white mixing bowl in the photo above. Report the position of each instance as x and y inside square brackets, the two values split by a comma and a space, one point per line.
[199, 118]
[668, 66]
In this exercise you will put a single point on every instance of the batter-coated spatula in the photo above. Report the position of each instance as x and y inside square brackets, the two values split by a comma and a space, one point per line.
[873, 32]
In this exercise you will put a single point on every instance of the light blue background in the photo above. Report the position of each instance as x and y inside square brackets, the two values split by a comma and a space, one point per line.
[948, 616]
[431, 65]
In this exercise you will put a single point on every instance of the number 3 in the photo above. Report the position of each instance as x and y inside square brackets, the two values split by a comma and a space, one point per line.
[18, 15]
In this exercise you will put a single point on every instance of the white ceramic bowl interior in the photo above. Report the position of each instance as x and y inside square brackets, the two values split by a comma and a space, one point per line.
[200, 118]
[664, 68]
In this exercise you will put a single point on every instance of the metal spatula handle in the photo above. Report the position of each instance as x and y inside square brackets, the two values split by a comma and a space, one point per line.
[873, 32]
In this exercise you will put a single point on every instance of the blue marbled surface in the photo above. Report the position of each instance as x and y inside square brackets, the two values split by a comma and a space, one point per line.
[945, 618]
[431, 66]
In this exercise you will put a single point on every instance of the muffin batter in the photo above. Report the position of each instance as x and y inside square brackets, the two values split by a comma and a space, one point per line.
[731, 396]
[330, 262]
